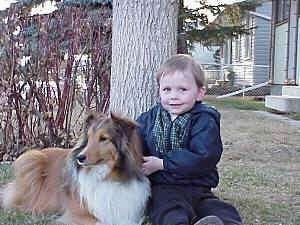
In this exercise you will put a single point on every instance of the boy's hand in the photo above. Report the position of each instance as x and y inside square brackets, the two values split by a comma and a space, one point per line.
[152, 164]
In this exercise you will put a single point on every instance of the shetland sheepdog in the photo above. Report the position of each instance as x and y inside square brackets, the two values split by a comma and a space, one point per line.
[98, 182]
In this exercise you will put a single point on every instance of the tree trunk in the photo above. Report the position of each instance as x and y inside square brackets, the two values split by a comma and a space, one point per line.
[144, 35]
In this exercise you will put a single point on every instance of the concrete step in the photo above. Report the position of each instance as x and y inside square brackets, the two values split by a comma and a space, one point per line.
[293, 91]
[283, 103]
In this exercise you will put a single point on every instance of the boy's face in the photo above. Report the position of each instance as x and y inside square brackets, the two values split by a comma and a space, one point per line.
[179, 92]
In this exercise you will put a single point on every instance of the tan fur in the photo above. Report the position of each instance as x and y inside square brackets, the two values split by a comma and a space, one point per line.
[46, 180]
[37, 176]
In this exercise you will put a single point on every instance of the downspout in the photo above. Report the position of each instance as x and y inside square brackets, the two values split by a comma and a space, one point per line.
[292, 42]
[272, 50]
[288, 45]
[230, 43]
[296, 42]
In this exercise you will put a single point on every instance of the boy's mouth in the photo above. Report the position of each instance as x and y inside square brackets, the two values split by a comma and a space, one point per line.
[175, 105]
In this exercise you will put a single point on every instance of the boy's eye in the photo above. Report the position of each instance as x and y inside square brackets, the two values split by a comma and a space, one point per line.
[183, 89]
[166, 89]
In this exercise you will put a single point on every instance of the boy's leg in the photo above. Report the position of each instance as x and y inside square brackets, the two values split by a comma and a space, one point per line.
[214, 206]
[168, 206]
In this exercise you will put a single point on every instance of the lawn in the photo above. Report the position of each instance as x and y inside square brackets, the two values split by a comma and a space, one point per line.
[247, 103]
[259, 169]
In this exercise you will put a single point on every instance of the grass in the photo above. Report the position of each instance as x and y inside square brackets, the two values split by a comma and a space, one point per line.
[256, 210]
[259, 169]
[6, 173]
[256, 173]
[263, 212]
[18, 218]
[247, 103]
[243, 187]
[237, 103]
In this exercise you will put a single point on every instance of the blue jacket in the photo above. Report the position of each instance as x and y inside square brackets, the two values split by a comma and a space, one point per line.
[196, 165]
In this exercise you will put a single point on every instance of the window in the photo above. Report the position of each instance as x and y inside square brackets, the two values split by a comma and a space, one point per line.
[282, 10]
[248, 38]
[237, 49]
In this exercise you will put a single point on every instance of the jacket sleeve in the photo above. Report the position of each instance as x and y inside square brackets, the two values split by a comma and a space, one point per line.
[205, 149]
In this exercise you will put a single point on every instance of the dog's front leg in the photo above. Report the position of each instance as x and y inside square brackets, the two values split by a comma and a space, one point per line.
[76, 214]
[82, 218]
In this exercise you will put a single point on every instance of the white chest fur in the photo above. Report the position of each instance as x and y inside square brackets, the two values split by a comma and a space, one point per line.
[111, 202]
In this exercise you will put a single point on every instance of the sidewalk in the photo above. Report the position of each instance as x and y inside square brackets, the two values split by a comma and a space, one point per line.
[279, 117]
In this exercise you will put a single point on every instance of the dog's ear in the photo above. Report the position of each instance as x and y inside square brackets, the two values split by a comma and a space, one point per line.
[92, 117]
[126, 124]
[129, 148]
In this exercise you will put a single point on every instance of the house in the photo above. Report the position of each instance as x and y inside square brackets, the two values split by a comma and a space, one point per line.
[248, 56]
[205, 56]
[285, 60]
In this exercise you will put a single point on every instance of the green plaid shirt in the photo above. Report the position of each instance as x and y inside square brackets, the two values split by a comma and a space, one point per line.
[169, 135]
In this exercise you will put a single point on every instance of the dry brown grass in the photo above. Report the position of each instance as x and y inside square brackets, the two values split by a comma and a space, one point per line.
[259, 170]
[260, 167]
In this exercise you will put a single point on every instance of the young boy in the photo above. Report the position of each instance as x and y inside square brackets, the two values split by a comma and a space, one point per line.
[182, 146]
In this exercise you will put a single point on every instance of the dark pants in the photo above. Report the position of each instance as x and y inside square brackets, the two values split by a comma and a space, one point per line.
[184, 205]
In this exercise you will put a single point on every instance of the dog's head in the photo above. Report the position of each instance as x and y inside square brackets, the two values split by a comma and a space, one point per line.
[111, 141]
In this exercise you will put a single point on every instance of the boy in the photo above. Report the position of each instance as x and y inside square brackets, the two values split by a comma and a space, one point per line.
[182, 146]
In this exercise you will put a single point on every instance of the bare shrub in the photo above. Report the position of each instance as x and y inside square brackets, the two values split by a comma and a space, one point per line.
[54, 68]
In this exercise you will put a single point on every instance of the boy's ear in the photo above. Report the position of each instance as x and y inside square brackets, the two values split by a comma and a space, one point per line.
[201, 93]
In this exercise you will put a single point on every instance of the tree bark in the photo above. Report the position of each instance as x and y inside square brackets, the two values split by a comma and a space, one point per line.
[144, 35]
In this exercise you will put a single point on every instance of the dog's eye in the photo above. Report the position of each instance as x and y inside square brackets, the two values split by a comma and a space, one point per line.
[102, 138]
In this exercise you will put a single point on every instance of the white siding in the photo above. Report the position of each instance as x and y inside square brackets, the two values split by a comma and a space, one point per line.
[262, 44]
[250, 55]
[298, 55]
[262, 50]
[252, 62]
[242, 49]
[265, 9]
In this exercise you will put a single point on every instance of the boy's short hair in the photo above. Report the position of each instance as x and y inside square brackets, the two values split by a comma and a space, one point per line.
[183, 63]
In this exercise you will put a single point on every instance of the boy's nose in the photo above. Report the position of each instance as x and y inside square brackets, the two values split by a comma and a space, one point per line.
[174, 95]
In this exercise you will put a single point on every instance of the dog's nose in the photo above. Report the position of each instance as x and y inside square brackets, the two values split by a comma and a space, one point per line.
[81, 158]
